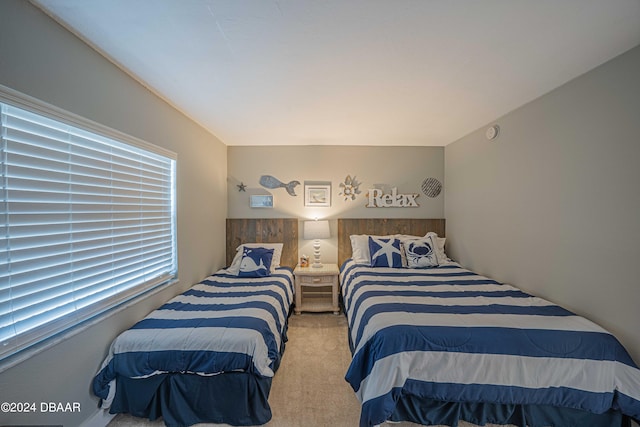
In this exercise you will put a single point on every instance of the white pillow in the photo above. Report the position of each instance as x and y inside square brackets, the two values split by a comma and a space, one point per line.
[442, 256]
[234, 268]
[440, 242]
[360, 249]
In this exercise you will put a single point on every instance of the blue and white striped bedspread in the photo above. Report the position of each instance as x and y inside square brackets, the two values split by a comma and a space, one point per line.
[449, 334]
[222, 324]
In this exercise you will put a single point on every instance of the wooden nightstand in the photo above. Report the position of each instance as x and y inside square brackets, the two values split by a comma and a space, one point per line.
[317, 288]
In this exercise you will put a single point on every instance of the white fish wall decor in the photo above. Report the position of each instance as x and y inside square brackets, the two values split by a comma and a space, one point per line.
[271, 182]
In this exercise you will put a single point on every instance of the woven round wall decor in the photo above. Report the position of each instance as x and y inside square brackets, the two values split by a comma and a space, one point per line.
[431, 187]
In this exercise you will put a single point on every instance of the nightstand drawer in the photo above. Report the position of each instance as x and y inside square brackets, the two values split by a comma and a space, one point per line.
[316, 280]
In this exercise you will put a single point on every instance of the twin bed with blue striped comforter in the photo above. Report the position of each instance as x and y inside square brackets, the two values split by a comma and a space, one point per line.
[480, 351]
[225, 324]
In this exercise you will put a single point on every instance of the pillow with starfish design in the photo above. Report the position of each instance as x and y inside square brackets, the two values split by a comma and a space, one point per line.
[385, 252]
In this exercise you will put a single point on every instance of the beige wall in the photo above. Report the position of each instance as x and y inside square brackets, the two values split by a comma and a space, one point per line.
[43, 60]
[402, 167]
[553, 204]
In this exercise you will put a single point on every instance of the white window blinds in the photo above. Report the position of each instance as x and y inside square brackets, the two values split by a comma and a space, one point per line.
[86, 222]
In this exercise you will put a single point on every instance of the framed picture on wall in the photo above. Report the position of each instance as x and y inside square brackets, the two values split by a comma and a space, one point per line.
[317, 195]
[261, 201]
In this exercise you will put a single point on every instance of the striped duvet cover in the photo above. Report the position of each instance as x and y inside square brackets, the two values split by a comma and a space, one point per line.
[449, 334]
[222, 324]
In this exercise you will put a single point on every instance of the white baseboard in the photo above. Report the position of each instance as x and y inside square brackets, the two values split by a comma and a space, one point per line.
[99, 419]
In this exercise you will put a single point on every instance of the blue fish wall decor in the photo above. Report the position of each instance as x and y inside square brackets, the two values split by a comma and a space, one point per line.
[269, 181]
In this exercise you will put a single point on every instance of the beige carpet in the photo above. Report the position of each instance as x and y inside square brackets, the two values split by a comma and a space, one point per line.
[309, 389]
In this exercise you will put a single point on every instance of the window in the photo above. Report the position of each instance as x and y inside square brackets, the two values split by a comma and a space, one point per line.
[86, 222]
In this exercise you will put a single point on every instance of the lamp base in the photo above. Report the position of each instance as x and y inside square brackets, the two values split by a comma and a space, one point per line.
[316, 254]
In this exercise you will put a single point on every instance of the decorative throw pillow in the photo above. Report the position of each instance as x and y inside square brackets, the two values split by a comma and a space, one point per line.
[385, 252]
[234, 268]
[277, 251]
[256, 262]
[443, 259]
[360, 247]
[421, 253]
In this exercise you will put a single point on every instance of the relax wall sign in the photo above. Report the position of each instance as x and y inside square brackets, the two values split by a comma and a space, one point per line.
[377, 199]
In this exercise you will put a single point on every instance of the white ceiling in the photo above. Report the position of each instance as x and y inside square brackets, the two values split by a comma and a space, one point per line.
[351, 72]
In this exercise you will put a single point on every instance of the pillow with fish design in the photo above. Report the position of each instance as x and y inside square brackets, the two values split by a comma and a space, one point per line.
[256, 262]
[234, 268]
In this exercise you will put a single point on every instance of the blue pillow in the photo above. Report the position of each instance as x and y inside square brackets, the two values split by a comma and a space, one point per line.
[256, 262]
[385, 252]
[420, 253]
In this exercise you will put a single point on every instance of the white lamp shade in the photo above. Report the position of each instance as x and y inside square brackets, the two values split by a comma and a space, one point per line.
[316, 230]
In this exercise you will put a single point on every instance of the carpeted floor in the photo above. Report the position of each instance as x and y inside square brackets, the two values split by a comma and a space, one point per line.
[309, 388]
